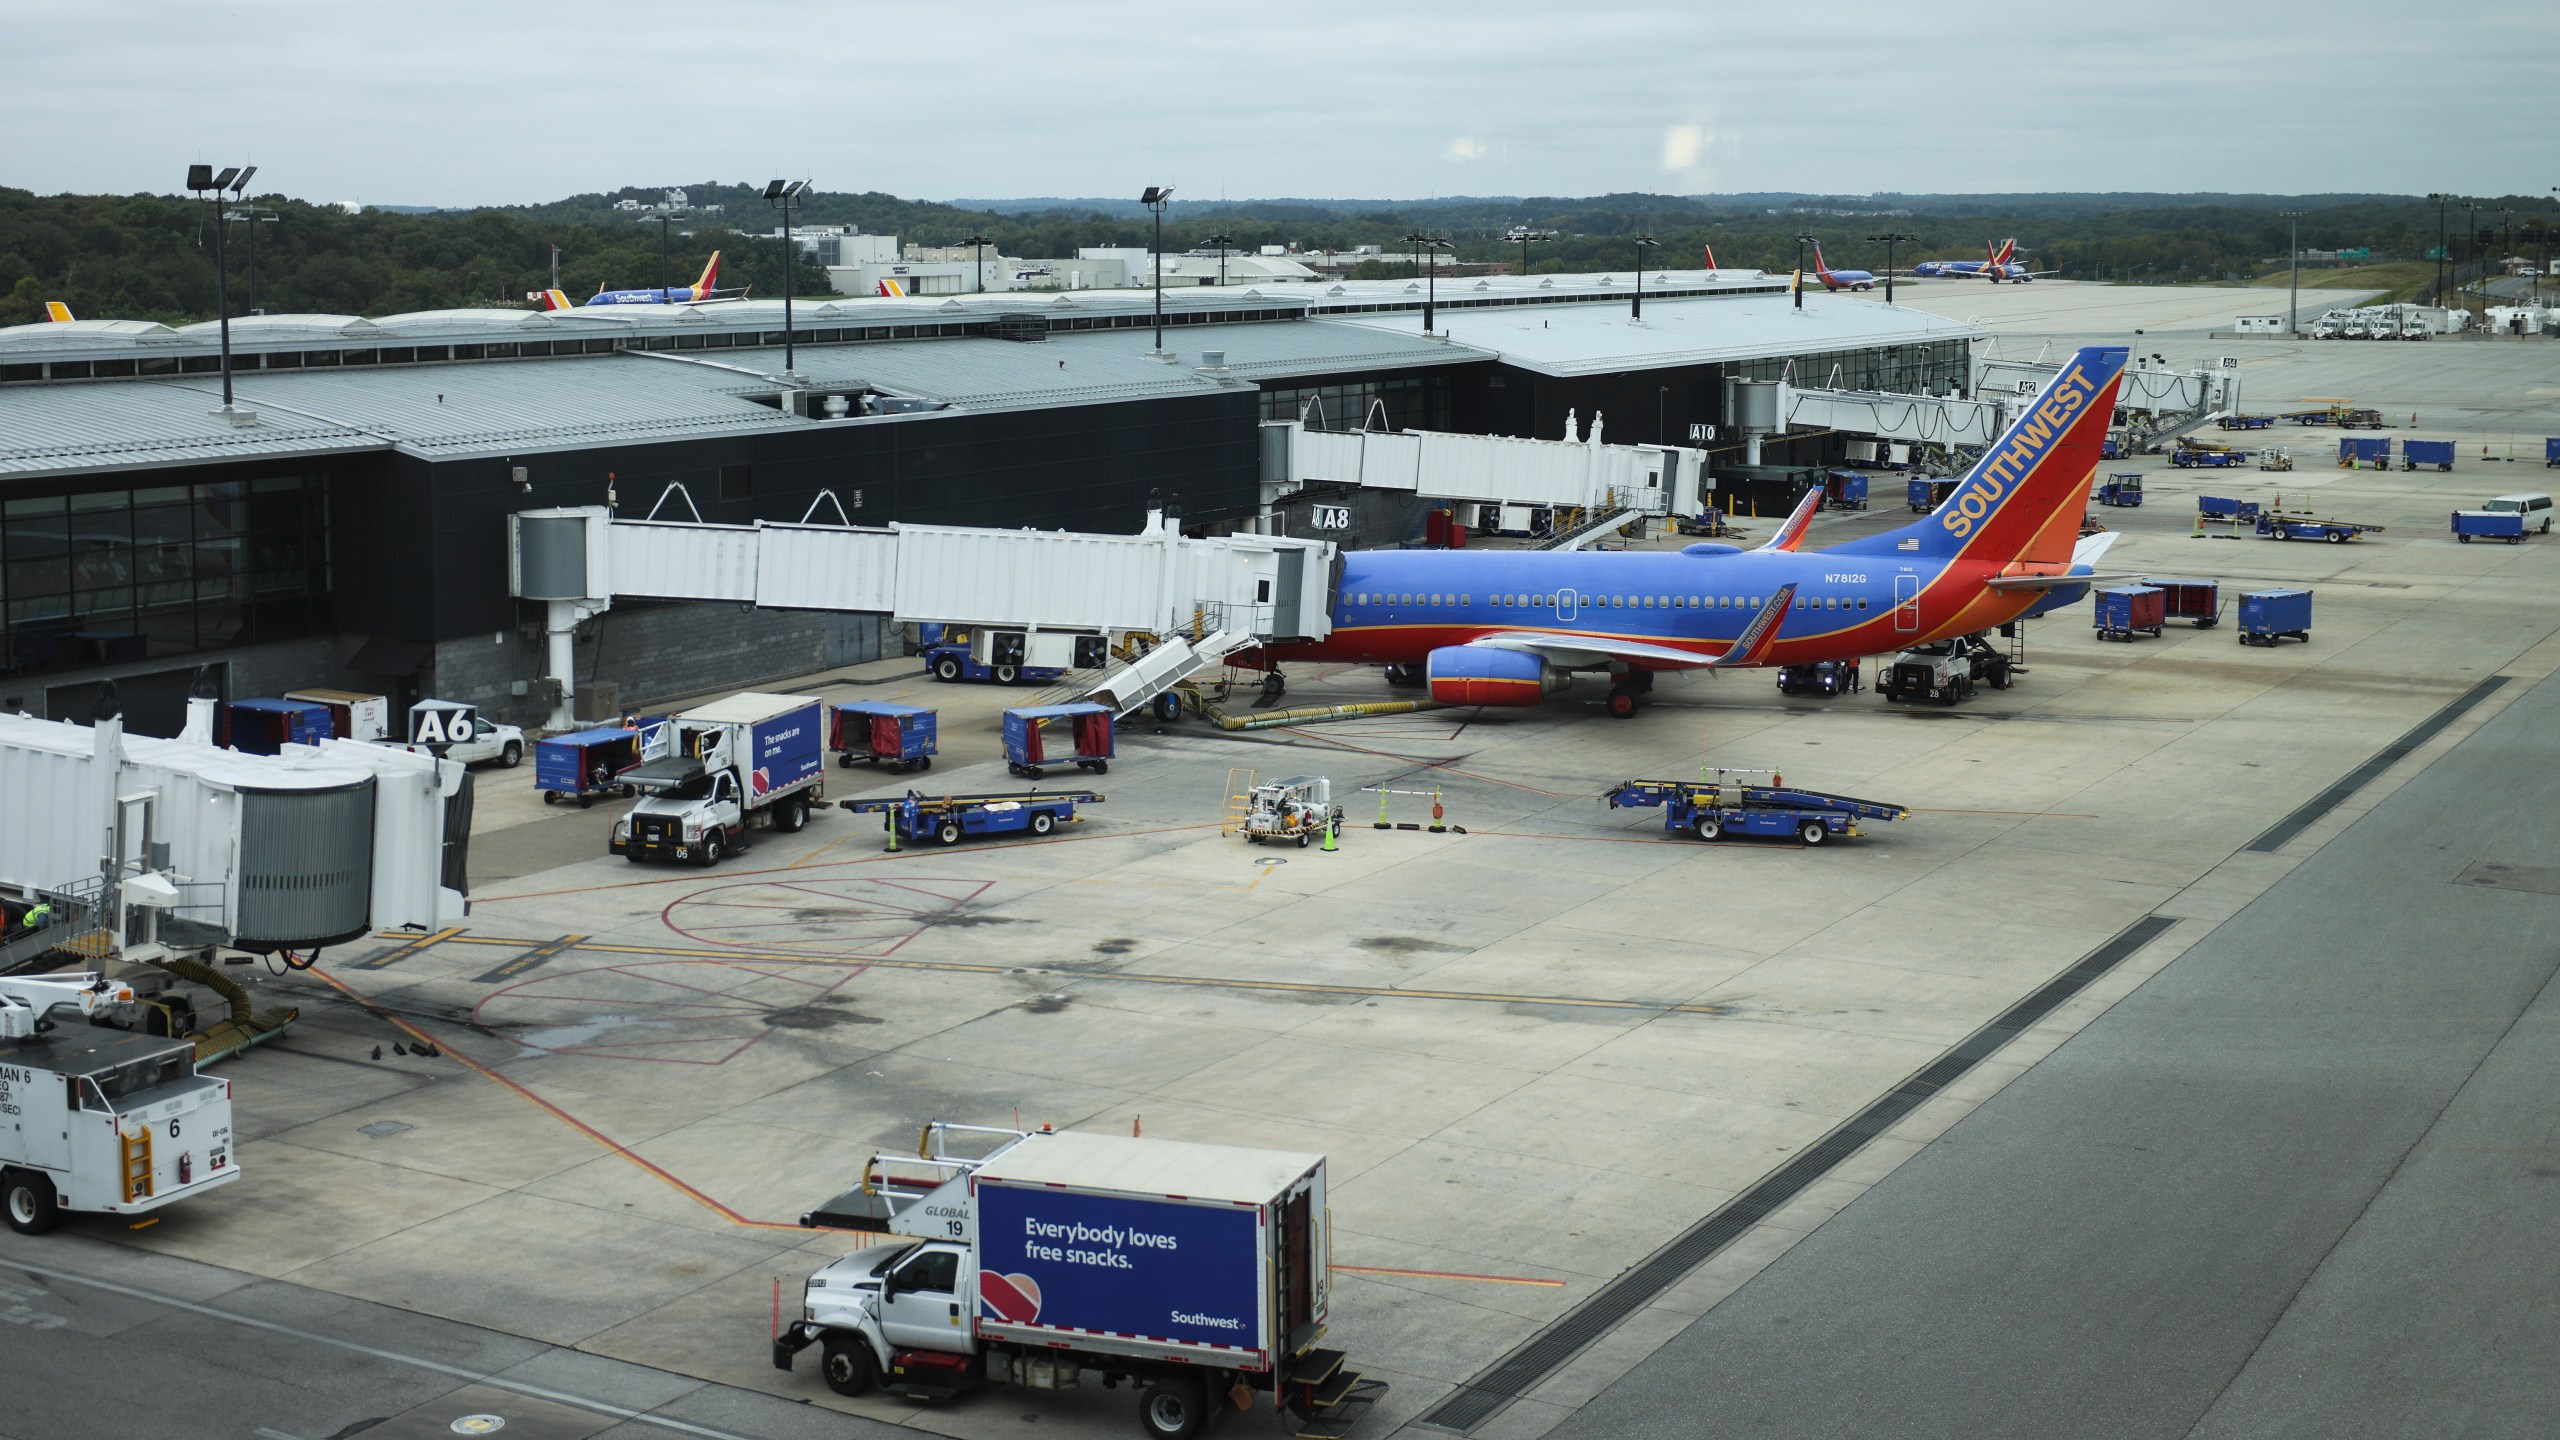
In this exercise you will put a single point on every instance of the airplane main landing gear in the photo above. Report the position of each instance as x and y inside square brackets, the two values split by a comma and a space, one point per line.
[1622, 701]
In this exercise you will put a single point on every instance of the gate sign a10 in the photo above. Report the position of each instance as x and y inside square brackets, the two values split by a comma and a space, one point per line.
[443, 722]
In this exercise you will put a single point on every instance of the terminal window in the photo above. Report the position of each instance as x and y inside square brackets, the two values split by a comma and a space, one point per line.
[130, 574]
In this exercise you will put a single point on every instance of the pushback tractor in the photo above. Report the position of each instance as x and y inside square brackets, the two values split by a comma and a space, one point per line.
[95, 1118]
[1196, 1274]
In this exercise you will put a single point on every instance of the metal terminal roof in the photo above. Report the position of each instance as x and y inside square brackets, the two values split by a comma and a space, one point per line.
[1594, 340]
[83, 429]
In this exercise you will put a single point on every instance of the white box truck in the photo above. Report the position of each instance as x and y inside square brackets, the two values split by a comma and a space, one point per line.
[748, 759]
[100, 1119]
[1197, 1273]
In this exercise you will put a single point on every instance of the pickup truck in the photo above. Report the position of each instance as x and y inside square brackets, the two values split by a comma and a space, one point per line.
[502, 743]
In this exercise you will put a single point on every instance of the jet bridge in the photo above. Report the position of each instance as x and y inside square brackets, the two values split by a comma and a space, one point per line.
[2159, 404]
[1040, 589]
[1578, 471]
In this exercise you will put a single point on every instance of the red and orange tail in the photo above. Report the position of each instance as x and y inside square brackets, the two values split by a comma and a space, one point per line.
[57, 312]
[2001, 253]
[710, 277]
[1711, 255]
[555, 300]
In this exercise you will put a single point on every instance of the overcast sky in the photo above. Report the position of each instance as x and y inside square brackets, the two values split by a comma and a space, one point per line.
[455, 102]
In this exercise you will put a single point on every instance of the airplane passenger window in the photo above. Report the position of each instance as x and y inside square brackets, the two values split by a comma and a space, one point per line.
[1862, 602]
[1466, 600]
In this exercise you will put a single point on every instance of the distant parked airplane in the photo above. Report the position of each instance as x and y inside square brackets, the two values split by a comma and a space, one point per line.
[2000, 264]
[706, 288]
[1840, 279]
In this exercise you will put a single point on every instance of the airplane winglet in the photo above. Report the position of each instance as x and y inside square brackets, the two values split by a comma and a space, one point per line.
[1758, 638]
[1791, 534]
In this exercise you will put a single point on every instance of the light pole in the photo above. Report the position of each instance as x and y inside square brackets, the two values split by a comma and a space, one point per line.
[2293, 254]
[664, 214]
[1891, 238]
[1801, 242]
[2441, 252]
[1526, 238]
[1642, 244]
[1222, 242]
[252, 216]
[785, 194]
[2472, 225]
[202, 180]
[978, 244]
[1427, 249]
[1156, 198]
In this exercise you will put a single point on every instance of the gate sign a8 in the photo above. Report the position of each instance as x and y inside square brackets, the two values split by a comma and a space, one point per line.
[443, 722]
[1331, 517]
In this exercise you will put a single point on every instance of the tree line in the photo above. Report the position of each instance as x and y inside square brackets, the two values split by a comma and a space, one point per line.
[150, 257]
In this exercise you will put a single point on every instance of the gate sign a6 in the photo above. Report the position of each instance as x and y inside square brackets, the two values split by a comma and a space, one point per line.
[1331, 517]
[443, 722]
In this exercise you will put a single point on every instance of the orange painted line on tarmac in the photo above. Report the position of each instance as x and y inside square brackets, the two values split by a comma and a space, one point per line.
[1445, 1275]
[909, 853]
[555, 1112]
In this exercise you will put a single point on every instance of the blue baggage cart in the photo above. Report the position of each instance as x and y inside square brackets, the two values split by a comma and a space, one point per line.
[2197, 600]
[2507, 525]
[265, 727]
[1088, 730]
[586, 763]
[902, 737]
[2130, 610]
[2359, 450]
[2267, 616]
[1844, 490]
[2220, 507]
[2122, 490]
[2551, 452]
[1924, 496]
[2414, 453]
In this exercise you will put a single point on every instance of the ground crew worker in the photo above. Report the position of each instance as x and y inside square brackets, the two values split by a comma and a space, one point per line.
[39, 915]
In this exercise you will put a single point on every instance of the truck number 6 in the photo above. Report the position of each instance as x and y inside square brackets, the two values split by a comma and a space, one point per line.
[173, 1127]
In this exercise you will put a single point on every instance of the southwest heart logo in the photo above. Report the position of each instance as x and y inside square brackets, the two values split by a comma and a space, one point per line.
[1012, 1298]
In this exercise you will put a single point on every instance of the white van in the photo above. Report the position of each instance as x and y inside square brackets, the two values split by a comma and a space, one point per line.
[2536, 510]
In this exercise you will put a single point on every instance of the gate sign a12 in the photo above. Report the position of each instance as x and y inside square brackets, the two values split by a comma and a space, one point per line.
[443, 722]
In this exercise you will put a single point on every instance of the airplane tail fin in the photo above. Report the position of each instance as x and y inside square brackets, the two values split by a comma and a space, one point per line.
[710, 276]
[1819, 268]
[2025, 498]
[892, 289]
[2005, 251]
[1791, 534]
[555, 300]
[1711, 255]
[57, 312]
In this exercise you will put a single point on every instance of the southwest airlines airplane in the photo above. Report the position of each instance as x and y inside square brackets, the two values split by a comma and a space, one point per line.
[706, 288]
[1841, 279]
[1510, 627]
[1999, 264]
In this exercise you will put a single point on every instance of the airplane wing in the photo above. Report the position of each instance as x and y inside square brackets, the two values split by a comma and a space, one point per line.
[1588, 651]
[1791, 534]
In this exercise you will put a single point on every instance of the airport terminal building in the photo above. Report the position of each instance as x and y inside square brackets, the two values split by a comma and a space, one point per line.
[354, 532]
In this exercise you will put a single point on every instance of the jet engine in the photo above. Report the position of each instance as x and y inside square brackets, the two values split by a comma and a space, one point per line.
[1486, 675]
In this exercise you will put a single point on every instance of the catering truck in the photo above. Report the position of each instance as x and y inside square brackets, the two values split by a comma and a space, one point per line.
[749, 759]
[1195, 1273]
[99, 1119]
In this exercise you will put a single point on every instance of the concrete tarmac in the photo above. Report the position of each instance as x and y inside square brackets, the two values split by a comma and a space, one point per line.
[2300, 1183]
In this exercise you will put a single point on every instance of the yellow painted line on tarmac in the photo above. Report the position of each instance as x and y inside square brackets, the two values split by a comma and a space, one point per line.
[1203, 982]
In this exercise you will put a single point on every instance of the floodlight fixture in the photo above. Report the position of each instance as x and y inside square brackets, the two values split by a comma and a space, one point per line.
[978, 244]
[199, 177]
[1155, 199]
[240, 182]
[205, 181]
[787, 193]
[1222, 241]
[2293, 256]
[1892, 238]
[1156, 195]
[1426, 249]
[1642, 244]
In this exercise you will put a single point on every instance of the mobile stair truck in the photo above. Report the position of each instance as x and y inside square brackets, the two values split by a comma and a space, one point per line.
[1713, 809]
[748, 759]
[1196, 1273]
[97, 1118]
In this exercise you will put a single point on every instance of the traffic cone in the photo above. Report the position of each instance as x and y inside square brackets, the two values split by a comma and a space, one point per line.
[1329, 829]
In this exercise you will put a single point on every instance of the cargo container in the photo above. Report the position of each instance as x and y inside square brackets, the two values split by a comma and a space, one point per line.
[1188, 1269]
[2438, 453]
[2197, 600]
[265, 727]
[2488, 525]
[2267, 616]
[749, 759]
[2130, 610]
[902, 737]
[353, 715]
[2369, 451]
